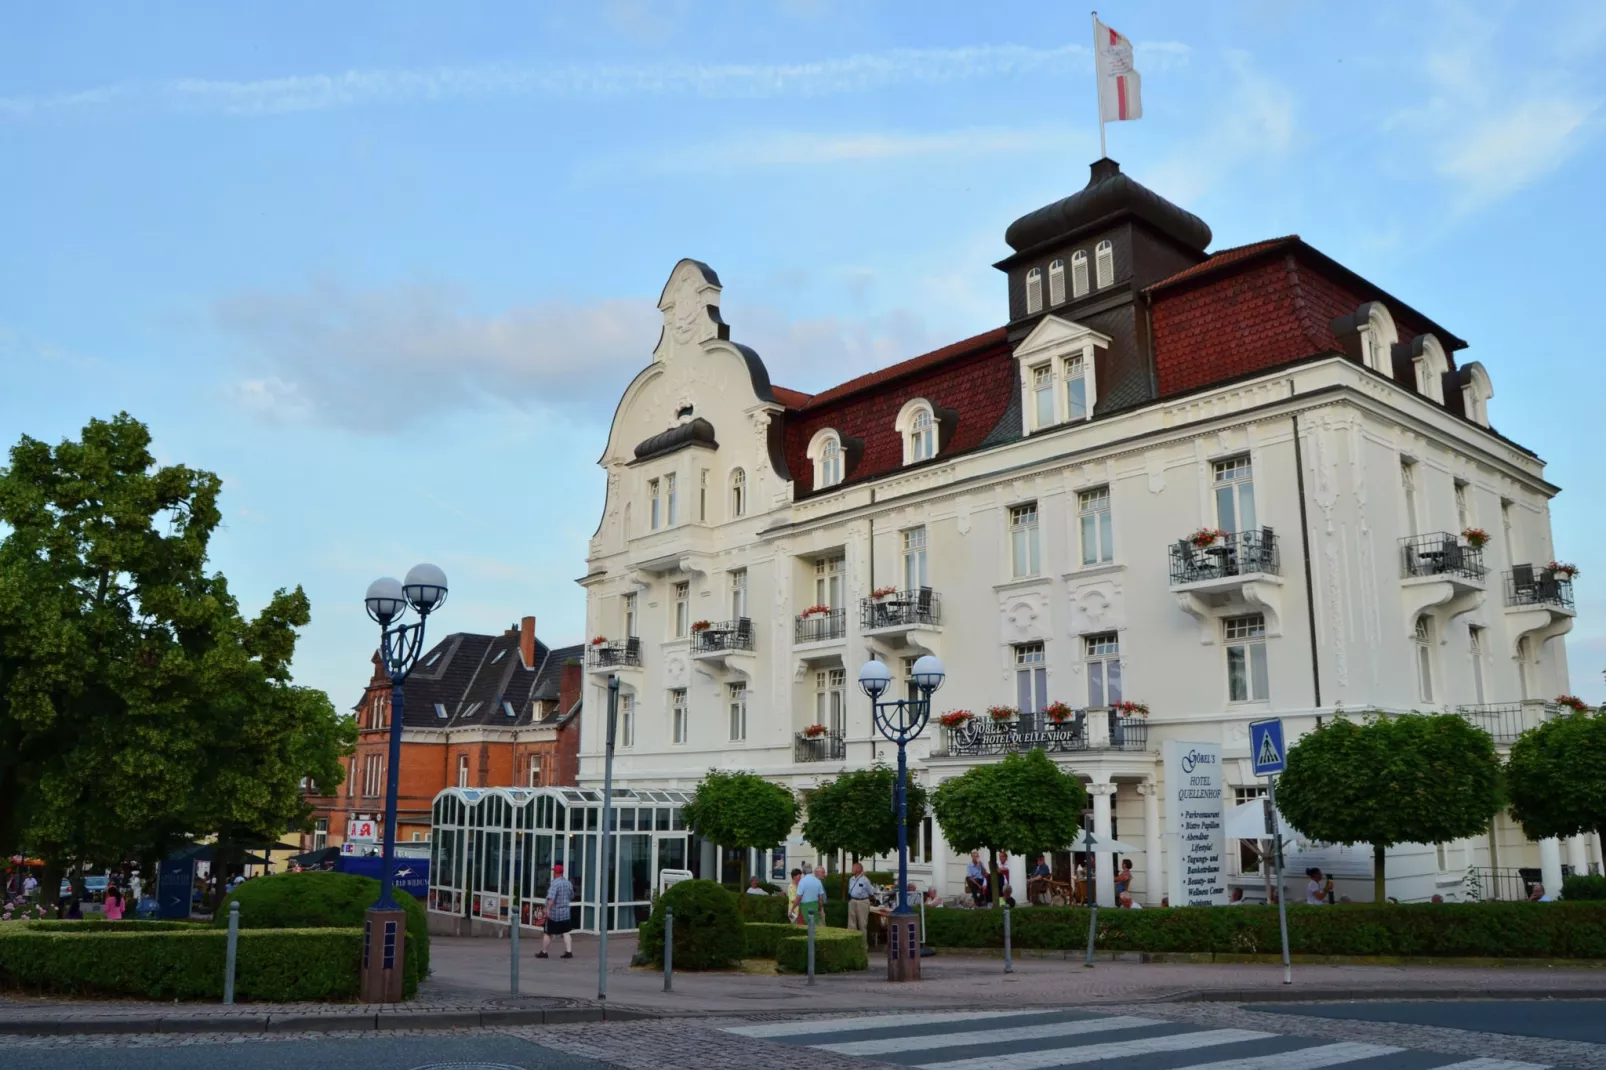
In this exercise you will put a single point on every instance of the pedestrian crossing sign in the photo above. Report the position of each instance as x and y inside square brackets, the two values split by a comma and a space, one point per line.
[1266, 749]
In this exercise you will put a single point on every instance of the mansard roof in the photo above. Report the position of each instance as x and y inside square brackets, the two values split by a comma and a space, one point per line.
[470, 676]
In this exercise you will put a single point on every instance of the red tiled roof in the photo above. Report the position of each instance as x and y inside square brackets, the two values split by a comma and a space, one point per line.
[1223, 258]
[792, 399]
[913, 364]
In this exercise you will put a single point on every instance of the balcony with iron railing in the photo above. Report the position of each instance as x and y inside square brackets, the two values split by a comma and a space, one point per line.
[618, 654]
[1228, 560]
[1505, 721]
[820, 627]
[722, 637]
[1441, 555]
[1528, 585]
[822, 747]
[901, 610]
[1098, 729]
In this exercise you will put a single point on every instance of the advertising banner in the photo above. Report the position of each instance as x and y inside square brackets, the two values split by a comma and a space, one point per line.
[1197, 866]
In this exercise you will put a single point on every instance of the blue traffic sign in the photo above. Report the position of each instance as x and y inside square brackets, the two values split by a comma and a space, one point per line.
[1266, 750]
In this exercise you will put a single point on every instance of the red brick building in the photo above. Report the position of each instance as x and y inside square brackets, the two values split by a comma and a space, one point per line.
[479, 710]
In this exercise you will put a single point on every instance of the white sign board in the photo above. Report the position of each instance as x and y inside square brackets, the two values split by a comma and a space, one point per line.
[669, 877]
[362, 831]
[1197, 866]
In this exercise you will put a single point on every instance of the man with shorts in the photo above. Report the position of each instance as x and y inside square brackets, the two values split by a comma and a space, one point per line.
[559, 918]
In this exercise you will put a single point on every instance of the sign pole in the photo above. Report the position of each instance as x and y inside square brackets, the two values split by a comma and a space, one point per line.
[605, 878]
[1268, 754]
[1277, 862]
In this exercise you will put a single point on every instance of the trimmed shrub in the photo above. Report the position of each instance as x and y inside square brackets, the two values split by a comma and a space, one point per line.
[768, 909]
[1508, 930]
[708, 927]
[763, 936]
[277, 965]
[321, 900]
[835, 951]
[1580, 886]
[127, 925]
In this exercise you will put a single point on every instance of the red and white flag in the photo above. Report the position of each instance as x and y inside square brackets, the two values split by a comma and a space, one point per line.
[1119, 85]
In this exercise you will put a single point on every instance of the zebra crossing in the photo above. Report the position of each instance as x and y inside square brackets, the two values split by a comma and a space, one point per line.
[1043, 1039]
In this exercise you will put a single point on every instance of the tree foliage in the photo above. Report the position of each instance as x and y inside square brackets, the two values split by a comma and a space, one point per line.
[1022, 804]
[137, 706]
[741, 810]
[1409, 779]
[854, 813]
[1556, 777]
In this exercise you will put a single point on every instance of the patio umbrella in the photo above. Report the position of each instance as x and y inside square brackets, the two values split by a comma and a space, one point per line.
[1248, 822]
[1104, 843]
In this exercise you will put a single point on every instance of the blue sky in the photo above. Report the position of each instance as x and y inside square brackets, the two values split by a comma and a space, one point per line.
[385, 267]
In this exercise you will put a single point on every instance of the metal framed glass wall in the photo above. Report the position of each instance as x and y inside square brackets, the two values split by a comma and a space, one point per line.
[488, 843]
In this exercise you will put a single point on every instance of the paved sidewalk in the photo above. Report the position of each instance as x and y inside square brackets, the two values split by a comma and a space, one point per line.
[470, 987]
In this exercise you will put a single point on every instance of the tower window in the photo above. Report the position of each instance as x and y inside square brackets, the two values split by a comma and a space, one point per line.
[1104, 264]
[1056, 282]
[1034, 291]
[1079, 274]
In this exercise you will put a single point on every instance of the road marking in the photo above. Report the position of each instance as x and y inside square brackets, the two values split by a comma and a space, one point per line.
[1305, 1058]
[990, 1036]
[1091, 1053]
[1493, 1064]
[858, 1022]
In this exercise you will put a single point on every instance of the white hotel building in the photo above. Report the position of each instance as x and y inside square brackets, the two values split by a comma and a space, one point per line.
[1029, 494]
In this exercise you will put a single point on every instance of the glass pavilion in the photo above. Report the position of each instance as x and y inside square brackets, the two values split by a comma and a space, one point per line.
[489, 843]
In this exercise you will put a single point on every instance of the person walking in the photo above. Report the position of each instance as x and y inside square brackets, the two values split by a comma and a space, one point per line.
[859, 899]
[794, 913]
[811, 896]
[1315, 893]
[559, 916]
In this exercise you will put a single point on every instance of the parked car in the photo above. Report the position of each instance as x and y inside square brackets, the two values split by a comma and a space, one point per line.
[94, 886]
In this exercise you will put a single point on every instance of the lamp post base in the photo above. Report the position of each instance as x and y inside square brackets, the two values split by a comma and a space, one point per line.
[384, 940]
[903, 946]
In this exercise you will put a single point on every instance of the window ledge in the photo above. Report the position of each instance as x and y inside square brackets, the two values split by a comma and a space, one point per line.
[1089, 571]
[1022, 583]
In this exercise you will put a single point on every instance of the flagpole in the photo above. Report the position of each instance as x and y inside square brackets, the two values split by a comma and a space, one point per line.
[1098, 81]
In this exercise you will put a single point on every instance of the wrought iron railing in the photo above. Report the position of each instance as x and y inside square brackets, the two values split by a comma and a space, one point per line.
[615, 655]
[901, 609]
[1038, 731]
[1240, 553]
[723, 635]
[830, 747]
[1509, 885]
[1128, 733]
[1440, 554]
[1527, 586]
[1502, 720]
[818, 627]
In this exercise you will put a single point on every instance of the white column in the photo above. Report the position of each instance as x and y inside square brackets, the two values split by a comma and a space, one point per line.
[1550, 866]
[939, 858]
[1600, 859]
[1103, 879]
[1153, 866]
[1577, 855]
[1017, 877]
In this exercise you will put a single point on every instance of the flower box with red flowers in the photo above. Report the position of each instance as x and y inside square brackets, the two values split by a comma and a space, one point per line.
[1562, 570]
[599, 640]
[1002, 713]
[1476, 538]
[1130, 709]
[814, 611]
[815, 731]
[883, 592]
[1574, 703]
[1206, 537]
[700, 626]
[956, 718]
[1058, 712]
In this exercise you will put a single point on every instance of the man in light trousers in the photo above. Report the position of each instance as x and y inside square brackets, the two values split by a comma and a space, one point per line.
[859, 892]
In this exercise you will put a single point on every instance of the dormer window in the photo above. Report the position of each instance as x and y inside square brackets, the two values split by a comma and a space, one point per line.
[1034, 291]
[1476, 390]
[1104, 264]
[825, 450]
[1043, 395]
[1378, 336]
[1058, 383]
[1430, 364]
[1056, 282]
[1075, 388]
[1079, 274]
[918, 426]
[738, 493]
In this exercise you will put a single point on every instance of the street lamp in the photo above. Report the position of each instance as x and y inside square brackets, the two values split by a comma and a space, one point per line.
[901, 720]
[400, 643]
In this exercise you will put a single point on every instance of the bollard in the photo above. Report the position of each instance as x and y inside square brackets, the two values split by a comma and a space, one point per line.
[811, 948]
[513, 950]
[1009, 963]
[231, 954]
[669, 949]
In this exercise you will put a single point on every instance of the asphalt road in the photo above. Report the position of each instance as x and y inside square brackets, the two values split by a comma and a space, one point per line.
[457, 1051]
[1566, 1019]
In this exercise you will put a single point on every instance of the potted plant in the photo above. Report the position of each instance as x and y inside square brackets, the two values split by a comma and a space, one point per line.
[1058, 712]
[814, 611]
[700, 625]
[598, 640]
[956, 718]
[1206, 537]
[1562, 570]
[1130, 709]
[999, 714]
[1476, 537]
[1574, 703]
[815, 731]
[883, 592]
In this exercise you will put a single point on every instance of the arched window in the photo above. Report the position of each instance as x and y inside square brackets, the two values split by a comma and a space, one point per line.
[738, 493]
[1378, 336]
[1079, 273]
[1430, 363]
[1056, 282]
[1423, 642]
[918, 426]
[1104, 264]
[1476, 390]
[1034, 291]
[825, 450]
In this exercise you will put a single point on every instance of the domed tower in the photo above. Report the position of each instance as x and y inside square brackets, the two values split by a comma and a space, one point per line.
[1086, 260]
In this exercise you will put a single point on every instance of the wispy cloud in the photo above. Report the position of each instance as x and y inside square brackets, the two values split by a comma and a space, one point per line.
[804, 149]
[1256, 119]
[361, 88]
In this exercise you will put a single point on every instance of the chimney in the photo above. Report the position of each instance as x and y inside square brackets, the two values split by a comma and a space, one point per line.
[527, 642]
[568, 686]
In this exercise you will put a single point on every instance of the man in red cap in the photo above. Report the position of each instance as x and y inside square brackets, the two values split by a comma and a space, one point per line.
[559, 919]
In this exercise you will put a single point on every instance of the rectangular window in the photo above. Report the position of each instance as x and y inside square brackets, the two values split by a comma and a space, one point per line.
[655, 507]
[1024, 540]
[1475, 652]
[830, 693]
[630, 615]
[1423, 640]
[627, 720]
[1093, 515]
[1235, 495]
[533, 774]
[738, 593]
[462, 770]
[910, 691]
[682, 610]
[828, 582]
[738, 712]
[1408, 484]
[1463, 512]
[320, 834]
[1031, 678]
[1103, 669]
[1043, 396]
[702, 495]
[914, 559]
[1075, 389]
[669, 493]
[1246, 658]
[679, 729]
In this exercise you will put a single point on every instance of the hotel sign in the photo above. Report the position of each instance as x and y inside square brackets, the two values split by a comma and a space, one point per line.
[977, 737]
[1197, 842]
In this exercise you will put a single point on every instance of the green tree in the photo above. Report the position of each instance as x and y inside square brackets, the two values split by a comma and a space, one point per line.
[1022, 804]
[1409, 779]
[137, 707]
[1556, 777]
[741, 810]
[855, 813]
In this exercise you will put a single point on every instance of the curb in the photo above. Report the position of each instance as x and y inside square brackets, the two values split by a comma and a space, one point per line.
[1374, 995]
[323, 1023]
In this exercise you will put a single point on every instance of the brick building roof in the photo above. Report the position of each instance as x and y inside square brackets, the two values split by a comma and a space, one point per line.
[471, 676]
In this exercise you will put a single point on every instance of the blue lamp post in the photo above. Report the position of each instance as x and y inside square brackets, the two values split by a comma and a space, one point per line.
[400, 643]
[901, 720]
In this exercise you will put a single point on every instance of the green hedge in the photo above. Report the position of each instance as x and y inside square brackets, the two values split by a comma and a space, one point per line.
[278, 965]
[762, 937]
[708, 927]
[1507, 930]
[768, 909]
[127, 925]
[321, 900]
[835, 951]
[1580, 886]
